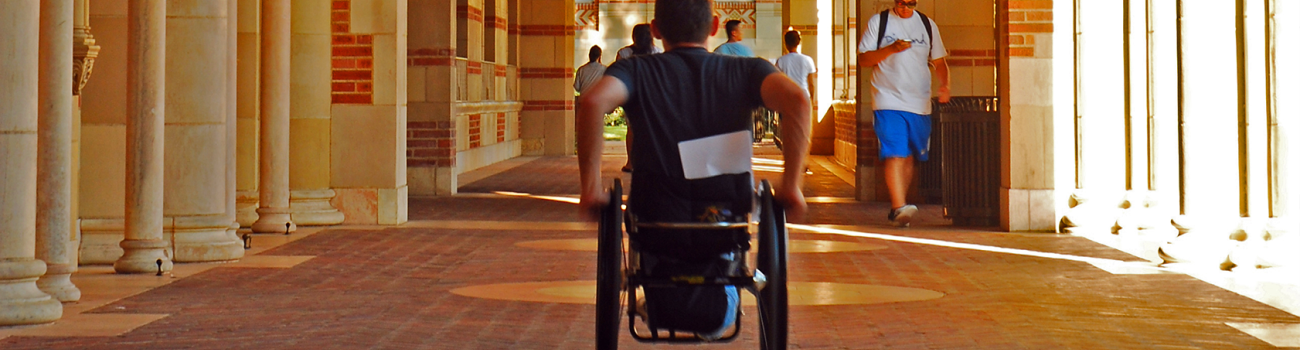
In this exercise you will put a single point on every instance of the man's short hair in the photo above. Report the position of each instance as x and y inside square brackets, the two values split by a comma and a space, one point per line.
[732, 27]
[684, 21]
[594, 54]
[792, 39]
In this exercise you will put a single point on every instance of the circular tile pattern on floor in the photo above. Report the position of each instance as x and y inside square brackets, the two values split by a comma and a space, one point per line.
[801, 293]
[796, 245]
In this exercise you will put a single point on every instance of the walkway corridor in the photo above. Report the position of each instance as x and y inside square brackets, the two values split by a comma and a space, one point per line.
[507, 264]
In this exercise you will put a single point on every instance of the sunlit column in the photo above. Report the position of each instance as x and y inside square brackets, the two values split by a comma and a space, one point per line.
[21, 302]
[1102, 161]
[273, 213]
[54, 162]
[1283, 228]
[1212, 191]
[143, 246]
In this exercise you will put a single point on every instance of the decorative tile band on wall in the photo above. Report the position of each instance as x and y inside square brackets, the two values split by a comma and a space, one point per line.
[544, 30]
[548, 105]
[352, 59]
[430, 144]
[1024, 19]
[545, 73]
[442, 57]
[804, 29]
[587, 16]
[500, 71]
[494, 22]
[972, 58]
[469, 12]
[737, 10]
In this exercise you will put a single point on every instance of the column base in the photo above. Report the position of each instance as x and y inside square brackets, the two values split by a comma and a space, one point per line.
[1142, 216]
[57, 282]
[1091, 213]
[21, 302]
[246, 208]
[100, 241]
[142, 256]
[1199, 242]
[313, 208]
[1281, 242]
[205, 239]
[274, 220]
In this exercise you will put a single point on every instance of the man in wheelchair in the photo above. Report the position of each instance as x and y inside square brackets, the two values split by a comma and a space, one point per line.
[691, 112]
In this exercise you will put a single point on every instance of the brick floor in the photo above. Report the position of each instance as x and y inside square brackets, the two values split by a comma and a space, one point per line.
[389, 289]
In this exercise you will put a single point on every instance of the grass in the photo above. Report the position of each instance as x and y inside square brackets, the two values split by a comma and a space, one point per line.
[615, 133]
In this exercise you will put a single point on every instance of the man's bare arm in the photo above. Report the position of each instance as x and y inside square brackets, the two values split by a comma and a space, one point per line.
[783, 96]
[873, 58]
[598, 100]
[941, 72]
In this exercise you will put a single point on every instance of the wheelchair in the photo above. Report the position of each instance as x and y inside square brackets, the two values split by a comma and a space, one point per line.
[620, 275]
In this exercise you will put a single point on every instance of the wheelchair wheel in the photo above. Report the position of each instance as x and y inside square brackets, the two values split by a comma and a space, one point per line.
[773, 299]
[609, 270]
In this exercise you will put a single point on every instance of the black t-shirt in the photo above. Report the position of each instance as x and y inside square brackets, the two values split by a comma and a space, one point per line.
[687, 94]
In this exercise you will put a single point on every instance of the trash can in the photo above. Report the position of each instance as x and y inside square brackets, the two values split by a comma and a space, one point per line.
[966, 137]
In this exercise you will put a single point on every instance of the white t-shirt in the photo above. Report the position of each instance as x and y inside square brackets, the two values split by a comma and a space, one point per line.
[902, 81]
[797, 66]
[626, 52]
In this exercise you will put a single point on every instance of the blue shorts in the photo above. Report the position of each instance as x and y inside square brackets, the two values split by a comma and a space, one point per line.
[903, 134]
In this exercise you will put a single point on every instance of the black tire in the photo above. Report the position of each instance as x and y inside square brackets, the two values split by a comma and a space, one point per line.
[609, 270]
[773, 299]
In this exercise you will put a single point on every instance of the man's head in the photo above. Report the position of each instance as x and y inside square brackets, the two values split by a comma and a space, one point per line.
[904, 8]
[684, 21]
[792, 40]
[594, 54]
[733, 31]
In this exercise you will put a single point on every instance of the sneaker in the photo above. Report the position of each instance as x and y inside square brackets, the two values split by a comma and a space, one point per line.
[902, 217]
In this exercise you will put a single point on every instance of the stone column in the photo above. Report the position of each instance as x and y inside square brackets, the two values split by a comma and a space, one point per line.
[21, 302]
[309, 153]
[84, 54]
[143, 245]
[546, 73]
[102, 108]
[368, 110]
[232, 114]
[1100, 141]
[431, 158]
[248, 103]
[1211, 177]
[54, 163]
[196, 163]
[273, 183]
[1029, 107]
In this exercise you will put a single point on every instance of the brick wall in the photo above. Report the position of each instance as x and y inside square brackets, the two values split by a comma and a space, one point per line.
[1025, 18]
[430, 144]
[352, 59]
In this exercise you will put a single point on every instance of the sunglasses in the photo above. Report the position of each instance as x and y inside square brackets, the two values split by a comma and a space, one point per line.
[909, 4]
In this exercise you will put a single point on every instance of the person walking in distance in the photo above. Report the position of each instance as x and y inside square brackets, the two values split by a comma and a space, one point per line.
[589, 73]
[643, 43]
[799, 67]
[733, 47]
[900, 45]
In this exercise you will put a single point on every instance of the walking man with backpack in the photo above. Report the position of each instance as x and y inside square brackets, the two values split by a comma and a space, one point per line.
[900, 45]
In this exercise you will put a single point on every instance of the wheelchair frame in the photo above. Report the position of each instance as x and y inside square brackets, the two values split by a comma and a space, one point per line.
[618, 273]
